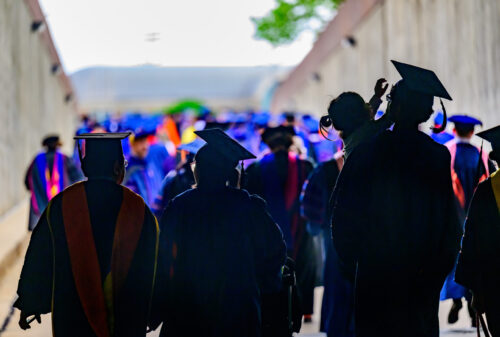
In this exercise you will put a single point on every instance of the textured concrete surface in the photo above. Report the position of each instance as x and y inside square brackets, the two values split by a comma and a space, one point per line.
[460, 40]
[32, 100]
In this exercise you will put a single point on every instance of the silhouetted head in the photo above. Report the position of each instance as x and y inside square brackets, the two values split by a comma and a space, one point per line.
[409, 107]
[102, 155]
[348, 112]
[215, 163]
[411, 99]
[464, 125]
[51, 142]
[278, 138]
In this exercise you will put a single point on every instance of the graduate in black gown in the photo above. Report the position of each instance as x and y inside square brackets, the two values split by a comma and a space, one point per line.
[92, 256]
[337, 309]
[222, 249]
[278, 178]
[394, 222]
[478, 265]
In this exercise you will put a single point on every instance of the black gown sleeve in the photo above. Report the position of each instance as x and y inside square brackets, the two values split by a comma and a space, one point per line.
[252, 181]
[350, 209]
[468, 268]
[160, 306]
[269, 247]
[452, 228]
[35, 285]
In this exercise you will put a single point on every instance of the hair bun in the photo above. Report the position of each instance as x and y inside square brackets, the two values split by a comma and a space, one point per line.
[325, 121]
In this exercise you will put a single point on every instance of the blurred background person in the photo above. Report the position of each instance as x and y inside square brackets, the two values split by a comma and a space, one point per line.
[278, 178]
[48, 174]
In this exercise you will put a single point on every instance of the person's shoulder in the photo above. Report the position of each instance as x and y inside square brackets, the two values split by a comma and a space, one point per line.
[484, 188]
[132, 195]
[438, 152]
[306, 163]
[184, 197]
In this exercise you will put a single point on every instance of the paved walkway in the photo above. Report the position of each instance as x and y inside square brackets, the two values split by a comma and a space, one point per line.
[9, 285]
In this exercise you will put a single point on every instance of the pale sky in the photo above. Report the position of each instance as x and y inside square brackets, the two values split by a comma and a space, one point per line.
[191, 33]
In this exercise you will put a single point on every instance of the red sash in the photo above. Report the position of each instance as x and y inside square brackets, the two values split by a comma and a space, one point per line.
[457, 185]
[83, 254]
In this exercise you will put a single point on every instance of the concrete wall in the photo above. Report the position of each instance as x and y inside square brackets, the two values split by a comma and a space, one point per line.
[32, 100]
[459, 39]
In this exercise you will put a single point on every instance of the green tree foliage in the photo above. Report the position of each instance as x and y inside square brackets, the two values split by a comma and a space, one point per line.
[291, 17]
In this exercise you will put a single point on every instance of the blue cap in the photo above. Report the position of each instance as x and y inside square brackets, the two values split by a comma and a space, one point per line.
[465, 120]
[192, 147]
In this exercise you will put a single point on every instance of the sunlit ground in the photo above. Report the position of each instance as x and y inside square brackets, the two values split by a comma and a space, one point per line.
[8, 288]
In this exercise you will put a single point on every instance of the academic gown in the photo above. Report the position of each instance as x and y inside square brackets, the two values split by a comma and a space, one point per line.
[278, 178]
[58, 168]
[478, 268]
[47, 274]
[144, 178]
[175, 183]
[159, 157]
[465, 158]
[396, 231]
[337, 309]
[223, 250]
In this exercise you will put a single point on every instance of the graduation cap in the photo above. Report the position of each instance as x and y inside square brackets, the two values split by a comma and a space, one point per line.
[51, 139]
[217, 125]
[142, 133]
[192, 147]
[101, 147]
[491, 135]
[465, 120]
[421, 80]
[223, 147]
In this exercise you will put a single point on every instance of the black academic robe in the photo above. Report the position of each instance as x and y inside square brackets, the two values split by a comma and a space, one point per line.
[269, 178]
[47, 273]
[478, 266]
[222, 251]
[396, 231]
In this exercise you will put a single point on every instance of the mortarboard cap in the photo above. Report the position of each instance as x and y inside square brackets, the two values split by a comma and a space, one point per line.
[421, 80]
[229, 149]
[217, 125]
[100, 146]
[491, 135]
[465, 120]
[192, 147]
[51, 139]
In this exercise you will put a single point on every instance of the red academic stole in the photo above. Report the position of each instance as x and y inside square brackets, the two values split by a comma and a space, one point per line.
[457, 185]
[83, 254]
[292, 192]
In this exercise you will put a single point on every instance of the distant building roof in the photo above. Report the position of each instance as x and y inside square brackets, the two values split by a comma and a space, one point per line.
[151, 86]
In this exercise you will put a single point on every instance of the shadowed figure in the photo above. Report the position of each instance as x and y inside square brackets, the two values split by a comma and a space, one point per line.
[221, 250]
[92, 256]
[478, 268]
[394, 222]
[278, 178]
